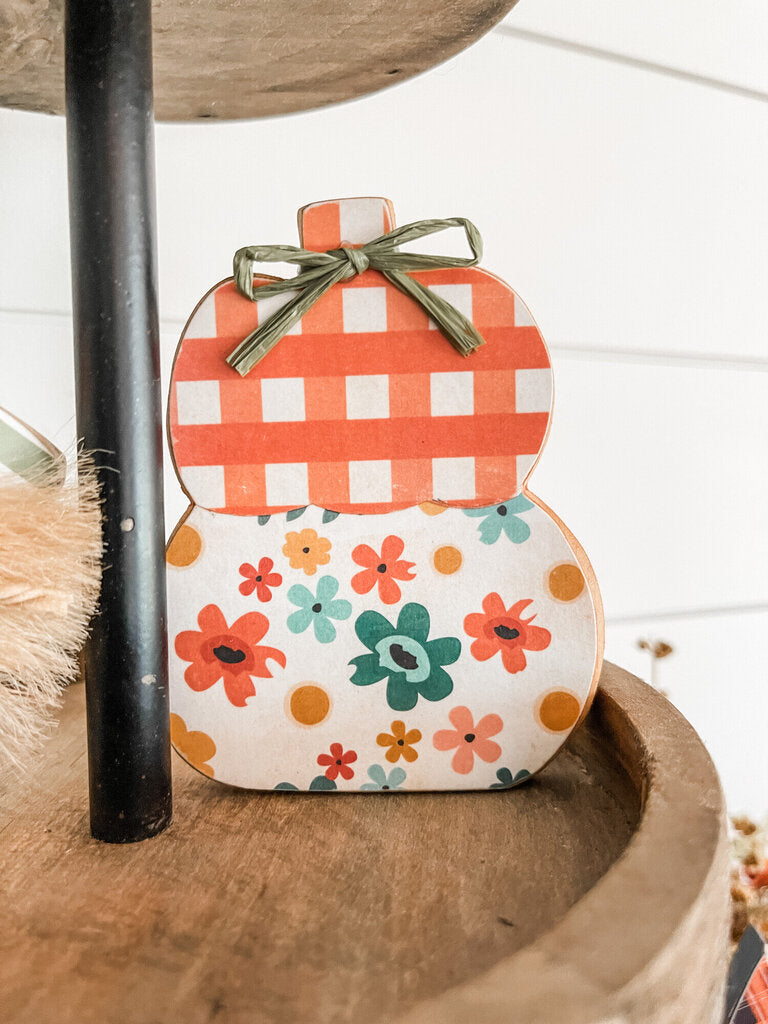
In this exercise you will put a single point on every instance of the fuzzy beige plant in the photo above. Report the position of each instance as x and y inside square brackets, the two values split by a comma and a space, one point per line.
[50, 571]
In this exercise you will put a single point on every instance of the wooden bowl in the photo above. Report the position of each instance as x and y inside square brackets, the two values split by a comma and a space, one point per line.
[595, 893]
[218, 58]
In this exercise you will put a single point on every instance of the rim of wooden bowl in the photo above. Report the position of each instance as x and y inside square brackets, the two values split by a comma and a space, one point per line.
[648, 943]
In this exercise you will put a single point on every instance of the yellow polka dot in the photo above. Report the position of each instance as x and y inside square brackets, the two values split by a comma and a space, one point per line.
[565, 582]
[447, 560]
[185, 547]
[308, 704]
[431, 508]
[558, 710]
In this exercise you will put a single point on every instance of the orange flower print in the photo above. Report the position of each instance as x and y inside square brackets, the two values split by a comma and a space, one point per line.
[233, 653]
[195, 747]
[500, 629]
[337, 762]
[400, 742]
[469, 740]
[382, 568]
[305, 550]
[260, 579]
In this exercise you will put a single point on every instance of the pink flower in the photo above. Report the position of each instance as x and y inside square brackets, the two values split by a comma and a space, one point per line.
[469, 740]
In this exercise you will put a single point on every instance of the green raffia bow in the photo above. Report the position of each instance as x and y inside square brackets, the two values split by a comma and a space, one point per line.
[325, 269]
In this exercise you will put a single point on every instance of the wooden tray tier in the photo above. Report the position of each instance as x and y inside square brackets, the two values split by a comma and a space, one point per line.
[596, 892]
[216, 58]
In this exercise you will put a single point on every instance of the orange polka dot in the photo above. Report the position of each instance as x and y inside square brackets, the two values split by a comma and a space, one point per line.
[558, 710]
[308, 704]
[447, 560]
[431, 508]
[185, 547]
[565, 582]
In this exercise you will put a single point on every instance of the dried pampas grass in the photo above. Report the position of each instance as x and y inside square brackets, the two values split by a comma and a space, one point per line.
[50, 556]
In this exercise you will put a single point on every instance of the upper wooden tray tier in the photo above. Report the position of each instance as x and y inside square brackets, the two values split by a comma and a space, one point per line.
[218, 58]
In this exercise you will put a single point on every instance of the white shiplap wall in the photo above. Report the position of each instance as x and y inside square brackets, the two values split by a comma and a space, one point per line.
[615, 160]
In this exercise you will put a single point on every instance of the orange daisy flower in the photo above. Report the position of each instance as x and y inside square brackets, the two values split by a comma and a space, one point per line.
[501, 629]
[382, 568]
[305, 550]
[233, 654]
[400, 742]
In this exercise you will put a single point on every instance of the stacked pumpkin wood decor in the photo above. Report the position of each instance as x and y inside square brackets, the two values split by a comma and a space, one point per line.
[594, 893]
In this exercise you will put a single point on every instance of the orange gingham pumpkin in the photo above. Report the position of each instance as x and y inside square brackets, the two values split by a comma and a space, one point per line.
[363, 408]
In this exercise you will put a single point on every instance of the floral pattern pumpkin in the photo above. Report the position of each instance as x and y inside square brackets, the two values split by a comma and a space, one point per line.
[364, 595]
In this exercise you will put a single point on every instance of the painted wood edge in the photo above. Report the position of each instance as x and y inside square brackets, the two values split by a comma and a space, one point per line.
[648, 944]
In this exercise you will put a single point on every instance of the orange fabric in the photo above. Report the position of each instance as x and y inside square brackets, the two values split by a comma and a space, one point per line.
[319, 227]
[328, 483]
[409, 395]
[411, 480]
[240, 401]
[327, 440]
[244, 486]
[494, 391]
[494, 474]
[325, 398]
[757, 992]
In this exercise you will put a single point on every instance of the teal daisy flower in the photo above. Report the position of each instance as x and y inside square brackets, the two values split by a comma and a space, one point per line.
[402, 654]
[507, 780]
[496, 518]
[319, 784]
[380, 779]
[318, 609]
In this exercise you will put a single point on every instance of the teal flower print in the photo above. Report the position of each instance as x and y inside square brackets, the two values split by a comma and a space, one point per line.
[401, 654]
[503, 517]
[507, 780]
[318, 784]
[380, 779]
[318, 608]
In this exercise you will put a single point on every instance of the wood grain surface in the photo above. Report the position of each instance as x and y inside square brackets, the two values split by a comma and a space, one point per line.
[600, 886]
[225, 59]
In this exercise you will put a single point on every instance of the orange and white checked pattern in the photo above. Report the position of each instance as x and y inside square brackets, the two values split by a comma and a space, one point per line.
[756, 996]
[364, 406]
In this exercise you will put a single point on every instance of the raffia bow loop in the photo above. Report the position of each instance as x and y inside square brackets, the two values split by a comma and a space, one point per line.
[322, 270]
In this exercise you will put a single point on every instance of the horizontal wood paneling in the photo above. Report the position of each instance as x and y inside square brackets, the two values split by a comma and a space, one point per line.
[628, 209]
[707, 37]
[660, 472]
[718, 677]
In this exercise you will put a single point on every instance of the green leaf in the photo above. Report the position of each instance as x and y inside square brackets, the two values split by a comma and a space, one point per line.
[263, 520]
[329, 516]
[295, 513]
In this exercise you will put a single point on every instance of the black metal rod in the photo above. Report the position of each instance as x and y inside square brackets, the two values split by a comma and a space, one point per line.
[108, 45]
